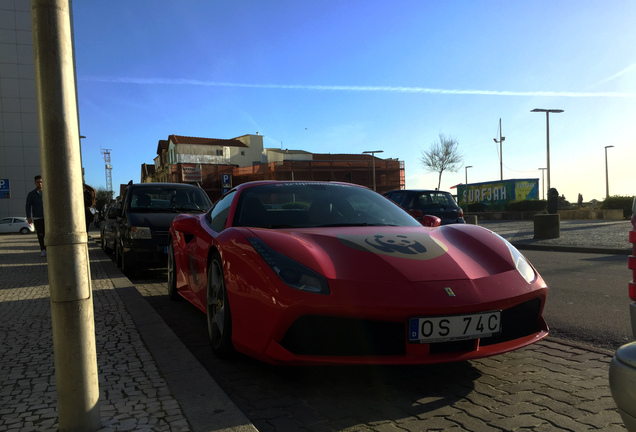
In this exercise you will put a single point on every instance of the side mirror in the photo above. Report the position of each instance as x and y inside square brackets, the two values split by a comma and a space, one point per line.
[431, 221]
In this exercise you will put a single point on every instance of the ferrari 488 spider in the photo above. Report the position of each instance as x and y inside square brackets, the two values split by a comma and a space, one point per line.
[334, 273]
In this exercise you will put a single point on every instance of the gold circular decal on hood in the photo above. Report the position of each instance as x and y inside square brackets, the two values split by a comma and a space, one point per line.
[415, 246]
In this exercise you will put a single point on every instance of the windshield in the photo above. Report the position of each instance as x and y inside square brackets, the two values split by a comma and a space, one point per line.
[304, 205]
[169, 198]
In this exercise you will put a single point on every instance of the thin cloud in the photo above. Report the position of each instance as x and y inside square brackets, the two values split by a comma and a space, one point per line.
[619, 74]
[386, 89]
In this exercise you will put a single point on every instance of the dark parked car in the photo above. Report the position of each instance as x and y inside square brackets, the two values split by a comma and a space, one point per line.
[107, 228]
[141, 230]
[428, 202]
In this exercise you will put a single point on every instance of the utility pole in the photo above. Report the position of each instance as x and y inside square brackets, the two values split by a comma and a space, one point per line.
[372, 153]
[547, 135]
[607, 172]
[543, 181]
[73, 321]
[501, 140]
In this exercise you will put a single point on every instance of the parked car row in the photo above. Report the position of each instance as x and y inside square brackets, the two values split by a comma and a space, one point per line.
[331, 273]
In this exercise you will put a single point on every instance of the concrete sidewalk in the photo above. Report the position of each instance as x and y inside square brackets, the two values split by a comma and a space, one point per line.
[150, 381]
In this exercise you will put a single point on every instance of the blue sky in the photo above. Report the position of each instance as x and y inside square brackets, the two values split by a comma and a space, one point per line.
[350, 76]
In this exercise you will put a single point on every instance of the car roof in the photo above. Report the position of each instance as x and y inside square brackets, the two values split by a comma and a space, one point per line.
[417, 190]
[148, 185]
[270, 182]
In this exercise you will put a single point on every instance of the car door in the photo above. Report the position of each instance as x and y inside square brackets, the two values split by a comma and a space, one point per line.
[6, 225]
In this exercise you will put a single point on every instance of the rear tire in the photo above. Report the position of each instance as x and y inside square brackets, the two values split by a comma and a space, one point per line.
[24, 231]
[218, 310]
[173, 293]
[103, 243]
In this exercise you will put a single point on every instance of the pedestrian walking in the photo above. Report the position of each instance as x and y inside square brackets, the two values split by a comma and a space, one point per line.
[35, 212]
[89, 201]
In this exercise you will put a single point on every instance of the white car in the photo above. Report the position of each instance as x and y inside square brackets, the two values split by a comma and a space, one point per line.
[11, 225]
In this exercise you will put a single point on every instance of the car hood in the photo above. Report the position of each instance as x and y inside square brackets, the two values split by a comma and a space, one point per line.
[409, 254]
[152, 220]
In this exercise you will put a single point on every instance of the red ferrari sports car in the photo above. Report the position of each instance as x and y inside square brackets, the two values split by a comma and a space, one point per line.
[334, 273]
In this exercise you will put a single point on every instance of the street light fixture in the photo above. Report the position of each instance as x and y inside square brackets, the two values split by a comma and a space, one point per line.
[372, 153]
[466, 170]
[607, 173]
[547, 133]
[543, 181]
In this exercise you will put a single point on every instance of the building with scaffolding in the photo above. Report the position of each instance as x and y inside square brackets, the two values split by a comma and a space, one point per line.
[219, 164]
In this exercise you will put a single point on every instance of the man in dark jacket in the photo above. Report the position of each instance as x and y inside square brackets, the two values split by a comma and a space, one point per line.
[35, 212]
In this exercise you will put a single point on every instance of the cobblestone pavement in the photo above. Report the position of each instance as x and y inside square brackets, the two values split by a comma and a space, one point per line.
[133, 394]
[548, 386]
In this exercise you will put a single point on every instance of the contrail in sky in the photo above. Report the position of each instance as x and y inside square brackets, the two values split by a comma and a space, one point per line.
[388, 89]
[619, 74]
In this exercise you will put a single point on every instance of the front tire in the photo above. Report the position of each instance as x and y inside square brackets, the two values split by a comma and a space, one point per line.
[173, 293]
[218, 310]
[117, 255]
[128, 264]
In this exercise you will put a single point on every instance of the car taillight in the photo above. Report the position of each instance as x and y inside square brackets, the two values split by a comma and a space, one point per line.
[461, 213]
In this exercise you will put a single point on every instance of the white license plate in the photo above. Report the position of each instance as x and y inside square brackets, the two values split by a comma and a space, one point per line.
[454, 327]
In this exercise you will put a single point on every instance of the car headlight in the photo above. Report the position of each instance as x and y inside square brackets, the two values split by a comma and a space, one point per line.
[521, 263]
[289, 271]
[140, 233]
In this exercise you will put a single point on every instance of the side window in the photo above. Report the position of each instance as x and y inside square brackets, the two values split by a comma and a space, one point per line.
[218, 214]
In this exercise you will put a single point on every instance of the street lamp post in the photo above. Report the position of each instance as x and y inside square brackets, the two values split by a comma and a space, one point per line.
[547, 133]
[500, 142]
[372, 153]
[607, 173]
[543, 181]
[466, 173]
[81, 160]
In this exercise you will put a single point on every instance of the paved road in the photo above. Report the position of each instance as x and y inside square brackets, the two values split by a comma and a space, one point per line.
[587, 299]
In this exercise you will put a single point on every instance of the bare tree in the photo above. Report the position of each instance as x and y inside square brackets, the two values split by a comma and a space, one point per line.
[444, 155]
